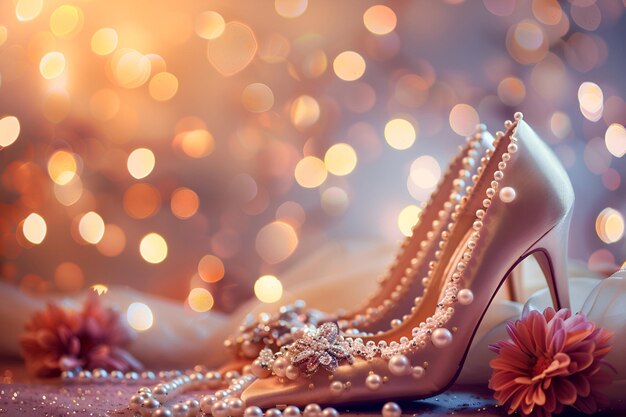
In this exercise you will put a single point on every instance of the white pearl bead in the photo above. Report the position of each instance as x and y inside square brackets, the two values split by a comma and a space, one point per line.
[312, 410]
[148, 406]
[193, 407]
[399, 365]
[206, 403]
[180, 410]
[253, 411]
[418, 372]
[220, 409]
[507, 194]
[441, 337]
[330, 412]
[512, 148]
[291, 411]
[163, 412]
[498, 175]
[135, 402]
[518, 115]
[292, 372]
[280, 366]
[235, 407]
[465, 296]
[213, 379]
[373, 382]
[273, 412]
[391, 410]
[258, 370]
[336, 387]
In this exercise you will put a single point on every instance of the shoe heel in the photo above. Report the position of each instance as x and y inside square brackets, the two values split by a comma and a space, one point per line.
[551, 254]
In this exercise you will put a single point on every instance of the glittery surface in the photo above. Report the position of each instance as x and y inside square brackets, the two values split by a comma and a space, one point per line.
[23, 396]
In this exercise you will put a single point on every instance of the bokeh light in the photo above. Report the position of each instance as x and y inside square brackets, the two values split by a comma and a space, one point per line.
[268, 289]
[62, 167]
[139, 316]
[163, 86]
[34, 228]
[153, 248]
[380, 19]
[184, 203]
[141, 200]
[334, 201]
[511, 91]
[52, 65]
[610, 225]
[276, 241]
[349, 66]
[197, 143]
[591, 100]
[104, 41]
[340, 159]
[66, 21]
[257, 97]
[100, 288]
[200, 300]
[408, 218]
[400, 133]
[310, 172]
[26, 10]
[140, 163]
[91, 227]
[68, 277]
[209, 25]
[70, 192]
[305, 112]
[130, 68]
[9, 130]
[211, 268]
[290, 8]
[615, 140]
[113, 241]
[463, 119]
[233, 50]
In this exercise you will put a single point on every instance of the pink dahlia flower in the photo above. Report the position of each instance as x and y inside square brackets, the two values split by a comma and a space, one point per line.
[553, 359]
[57, 340]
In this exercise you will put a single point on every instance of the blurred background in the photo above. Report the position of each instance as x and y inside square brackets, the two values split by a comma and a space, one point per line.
[196, 149]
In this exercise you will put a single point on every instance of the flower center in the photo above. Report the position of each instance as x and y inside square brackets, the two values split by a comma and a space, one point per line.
[541, 365]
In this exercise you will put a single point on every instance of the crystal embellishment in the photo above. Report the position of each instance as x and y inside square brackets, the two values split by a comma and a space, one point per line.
[322, 348]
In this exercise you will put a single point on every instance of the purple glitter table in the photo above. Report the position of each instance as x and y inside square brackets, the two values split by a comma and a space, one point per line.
[23, 396]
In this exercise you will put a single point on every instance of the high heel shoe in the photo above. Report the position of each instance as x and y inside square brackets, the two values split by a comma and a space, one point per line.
[388, 301]
[520, 205]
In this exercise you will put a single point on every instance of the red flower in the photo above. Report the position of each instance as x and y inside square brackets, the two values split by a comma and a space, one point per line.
[552, 360]
[56, 340]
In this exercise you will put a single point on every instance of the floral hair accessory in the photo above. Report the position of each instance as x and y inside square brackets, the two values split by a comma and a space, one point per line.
[553, 359]
[57, 340]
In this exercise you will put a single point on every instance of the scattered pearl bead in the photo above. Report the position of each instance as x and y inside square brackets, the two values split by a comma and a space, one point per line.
[292, 372]
[441, 337]
[391, 409]
[465, 296]
[193, 406]
[507, 194]
[418, 372]
[148, 406]
[399, 365]
[336, 387]
[135, 402]
[373, 382]
[206, 403]
[312, 410]
[163, 412]
[291, 411]
[273, 412]
[253, 411]
[330, 412]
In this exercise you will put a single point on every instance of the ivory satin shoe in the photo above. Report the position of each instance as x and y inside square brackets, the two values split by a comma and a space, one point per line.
[398, 286]
[520, 205]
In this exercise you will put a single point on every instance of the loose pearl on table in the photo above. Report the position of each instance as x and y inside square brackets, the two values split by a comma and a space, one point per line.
[441, 337]
[399, 365]
[336, 387]
[273, 412]
[312, 410]
[291, 411]
[180, 410]
[280, 366]
[206, 403]
[391, 410]
[465, 296]
[373, 382]
[163, 412]
[220, 409]
[330, 412]
[507, 194]
[418, 372]
[253, 411]
[235, 407]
